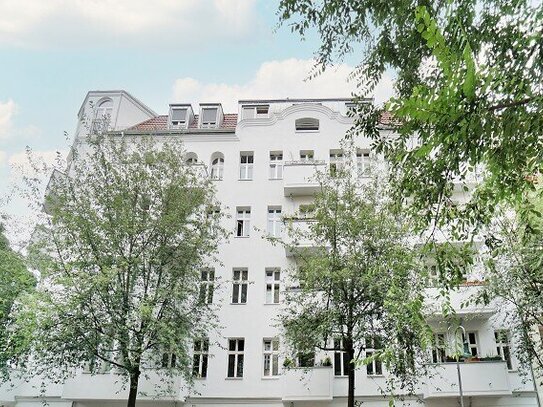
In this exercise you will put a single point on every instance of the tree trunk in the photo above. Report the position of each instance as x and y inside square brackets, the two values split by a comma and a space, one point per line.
[351, 375]
[132, 394]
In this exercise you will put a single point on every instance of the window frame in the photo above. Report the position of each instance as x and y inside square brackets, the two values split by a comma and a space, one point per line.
[207, 285]
[503, 348]
[307, 125]
[274, 221]
[274, 285]
[240, 286]
[272, 354]
[209, 124]
[217, 168]
[237, 354]
[246, 169]
[340, 359]
[243, 222]
[200, 353]
[375, 367]
[276, 165]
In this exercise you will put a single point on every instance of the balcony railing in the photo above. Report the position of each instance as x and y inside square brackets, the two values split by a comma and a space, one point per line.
[299, 177]
[308, 384]
[483, 378]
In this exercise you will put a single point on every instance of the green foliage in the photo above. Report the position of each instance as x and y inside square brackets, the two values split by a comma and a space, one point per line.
[468, 94]
[15, 281]
[357, 275]
[120, 252]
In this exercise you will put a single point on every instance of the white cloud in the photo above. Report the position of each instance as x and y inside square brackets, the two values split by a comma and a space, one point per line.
[51, 23]
[7, 111]
[3, 157]
[277, 79]
[35, 163]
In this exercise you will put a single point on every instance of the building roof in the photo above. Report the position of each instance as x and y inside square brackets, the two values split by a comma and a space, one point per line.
[159, 123]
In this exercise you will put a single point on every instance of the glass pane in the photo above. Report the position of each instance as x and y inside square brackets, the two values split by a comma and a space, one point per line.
[205, 345]
[243, 293]
[267, 345]
[231, 365]
[275, 343]
[179, 114]
[266, 365]
[204, 366]
[241, 345]
[276, 294]
[275, 365]
[235, 293]
[268, 293]
[196, 365]
[209, 115]
[239, 370]
[232, 345]
[244, 274]
[337, 364]
[378, 367]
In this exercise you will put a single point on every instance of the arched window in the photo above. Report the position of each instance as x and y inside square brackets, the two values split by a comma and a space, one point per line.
[217, 166]
[307, 124]
[191, 159]
[102, 116]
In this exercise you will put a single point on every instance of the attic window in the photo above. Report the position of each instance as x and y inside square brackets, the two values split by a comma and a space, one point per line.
[178, 117]
[251, 112]
[307, 124]
[209, 117]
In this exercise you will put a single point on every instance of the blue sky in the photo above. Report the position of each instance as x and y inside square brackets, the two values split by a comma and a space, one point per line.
[54, 51]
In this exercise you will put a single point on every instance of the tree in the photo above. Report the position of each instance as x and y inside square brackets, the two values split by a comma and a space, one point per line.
[468, 89]
[120, 251]
[15, 280]
[357, 279]
[514, 278]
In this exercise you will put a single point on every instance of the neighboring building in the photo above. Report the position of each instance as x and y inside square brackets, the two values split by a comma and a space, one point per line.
[263, 158]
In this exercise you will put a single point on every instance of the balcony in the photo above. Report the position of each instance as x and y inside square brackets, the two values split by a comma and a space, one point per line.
[304, 384]
[485, 378]
[112, 386]
[299, 177]
[298, 241]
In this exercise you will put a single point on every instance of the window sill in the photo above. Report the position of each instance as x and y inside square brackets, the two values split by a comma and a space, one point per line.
[275, 179]
[270, 377]
[272, 303]
[375, 376]
[306, 131]
[245, 179]
[242, 237]
[199, 378]
[238, 303]
[233, 378]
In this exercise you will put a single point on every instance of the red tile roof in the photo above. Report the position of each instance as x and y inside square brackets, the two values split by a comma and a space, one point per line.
[159, 123]
[388, 119]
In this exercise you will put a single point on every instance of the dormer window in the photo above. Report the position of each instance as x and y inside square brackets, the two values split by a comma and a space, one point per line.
[209, 118]
[252, 112]
[179, 117]
[307, 124]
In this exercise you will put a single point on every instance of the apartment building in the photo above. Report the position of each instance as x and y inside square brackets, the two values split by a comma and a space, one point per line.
[262, 159]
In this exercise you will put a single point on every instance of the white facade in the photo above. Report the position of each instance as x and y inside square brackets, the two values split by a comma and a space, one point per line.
[254, 189]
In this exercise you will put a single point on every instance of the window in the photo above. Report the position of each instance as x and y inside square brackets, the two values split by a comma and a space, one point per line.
[273, 286]
[191, 159]
[306, 155]
[217, 166]
[306, 359]
[502, 347]
[243, 222]
[341, 359]
[168, 360]
[207, 278]
[271, 357]
[239, 286]
[178, 117]
[209, 117]
[472, 343]
[276, 165]
[200, 358]
[307, 124]
[336, 161]
[275, 224]
[375, 367]
[102, 116]
[235, 357]
[251, 112]
[246, 166]
[438, 350]
[362, 163]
